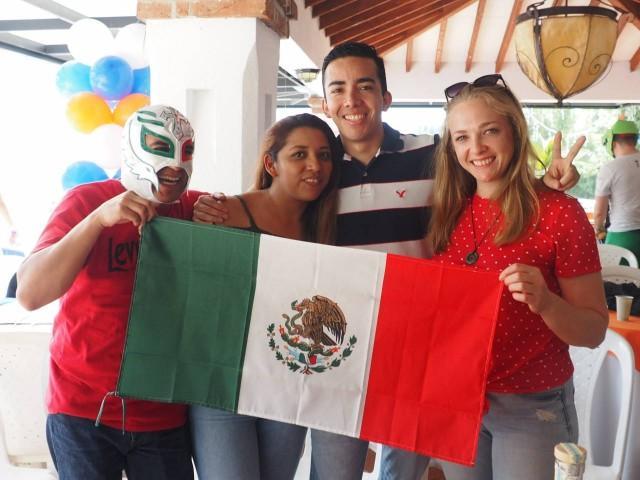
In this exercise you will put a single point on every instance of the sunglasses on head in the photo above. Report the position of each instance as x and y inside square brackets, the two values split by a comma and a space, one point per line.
[491, 80]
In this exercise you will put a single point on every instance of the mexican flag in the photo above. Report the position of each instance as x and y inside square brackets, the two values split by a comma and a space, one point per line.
[381, 347]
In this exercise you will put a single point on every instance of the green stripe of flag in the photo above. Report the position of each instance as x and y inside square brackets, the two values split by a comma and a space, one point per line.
[175, 265]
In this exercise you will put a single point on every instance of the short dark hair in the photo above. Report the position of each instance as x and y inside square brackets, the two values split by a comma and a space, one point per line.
[626, 138]
[356, 49]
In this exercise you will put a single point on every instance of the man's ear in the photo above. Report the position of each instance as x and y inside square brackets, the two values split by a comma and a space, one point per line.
[386, 100]
[325, 108]
[270, 165]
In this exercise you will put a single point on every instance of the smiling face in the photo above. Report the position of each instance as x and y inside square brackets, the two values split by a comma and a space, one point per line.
[303, 165]
[483, 143]
[157, 138]
[354, 100]
[172, 181]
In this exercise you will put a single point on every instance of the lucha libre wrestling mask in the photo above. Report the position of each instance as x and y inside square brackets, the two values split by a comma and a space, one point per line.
[155, 137]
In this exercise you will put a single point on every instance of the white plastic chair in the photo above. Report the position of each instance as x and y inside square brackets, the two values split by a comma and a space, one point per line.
[24, 454]
[610, 255]
[603, 397]
[621, 274]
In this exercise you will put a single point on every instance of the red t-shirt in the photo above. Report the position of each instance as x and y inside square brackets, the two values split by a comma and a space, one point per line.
[527, 355]
[89, 330]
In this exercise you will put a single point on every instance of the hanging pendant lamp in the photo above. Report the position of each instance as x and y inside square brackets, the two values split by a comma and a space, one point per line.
[564, 50]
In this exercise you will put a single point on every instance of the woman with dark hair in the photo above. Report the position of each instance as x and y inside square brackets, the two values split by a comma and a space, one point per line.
[490, 213]
[294, 196]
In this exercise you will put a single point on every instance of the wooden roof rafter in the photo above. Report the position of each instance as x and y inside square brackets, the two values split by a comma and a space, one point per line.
[440, 47]
[454, 7]
[360, 32]
[329, 6]
[474, 34]
[345, 14]
[373, 37]
[408, 59]
[632, 17]
[508, 34]
[380, 11]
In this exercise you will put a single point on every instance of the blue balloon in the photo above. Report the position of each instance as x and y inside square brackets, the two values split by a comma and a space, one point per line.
[82, 172]
[111, 77]
[116, 176]
[141, 81]
[73, 77]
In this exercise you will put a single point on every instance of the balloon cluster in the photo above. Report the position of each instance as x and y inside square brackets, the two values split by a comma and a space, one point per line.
[106, 82]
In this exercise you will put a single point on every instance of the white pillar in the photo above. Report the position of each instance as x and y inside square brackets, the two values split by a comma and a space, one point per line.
[221, 73]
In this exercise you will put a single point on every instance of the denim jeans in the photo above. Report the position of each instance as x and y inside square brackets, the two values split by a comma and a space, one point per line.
[238, 447]
[80, 450]
[518, 436]
[336, 457]
[398, 464]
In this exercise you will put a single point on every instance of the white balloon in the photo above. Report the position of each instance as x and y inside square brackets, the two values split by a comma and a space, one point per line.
[89, 39]
[105, 146]
[130, 45]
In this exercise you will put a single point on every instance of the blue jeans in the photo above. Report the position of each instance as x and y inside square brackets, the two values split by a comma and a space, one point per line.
[336, 457]
[80, 450]
[518, 436]
[398, 464]
[231, 446]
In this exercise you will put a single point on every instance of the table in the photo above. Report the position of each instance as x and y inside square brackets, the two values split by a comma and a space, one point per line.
[630, 330]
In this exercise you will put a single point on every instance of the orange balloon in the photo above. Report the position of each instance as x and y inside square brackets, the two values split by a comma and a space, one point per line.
[87, 111]
[128, 105]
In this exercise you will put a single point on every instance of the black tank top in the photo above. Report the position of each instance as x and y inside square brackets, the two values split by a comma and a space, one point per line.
[252, 223]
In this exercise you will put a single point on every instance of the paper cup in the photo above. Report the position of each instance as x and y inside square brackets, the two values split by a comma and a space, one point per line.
[623, 307]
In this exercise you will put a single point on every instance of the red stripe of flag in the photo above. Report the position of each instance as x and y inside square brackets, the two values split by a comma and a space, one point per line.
[431, 358]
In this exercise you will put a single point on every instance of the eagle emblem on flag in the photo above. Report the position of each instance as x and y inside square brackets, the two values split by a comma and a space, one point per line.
[311, 340]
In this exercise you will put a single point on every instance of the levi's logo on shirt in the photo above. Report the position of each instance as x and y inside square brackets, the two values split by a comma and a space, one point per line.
[122, 256]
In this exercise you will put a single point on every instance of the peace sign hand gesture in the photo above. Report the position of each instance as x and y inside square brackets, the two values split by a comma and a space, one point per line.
[562, 174]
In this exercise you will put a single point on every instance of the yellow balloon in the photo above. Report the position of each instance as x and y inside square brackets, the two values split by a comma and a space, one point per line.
[128, 105]
[87, 111]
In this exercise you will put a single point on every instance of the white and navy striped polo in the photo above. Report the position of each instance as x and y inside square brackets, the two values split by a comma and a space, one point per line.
[384, 206]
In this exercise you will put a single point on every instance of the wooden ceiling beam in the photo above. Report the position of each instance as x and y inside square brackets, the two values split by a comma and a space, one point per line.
[506, 40]
[408, 60]
[440, 47]
[362, 8]
[635, 60]
[623, 20]
[344, 19]
[394, 42]
[632, 6]
[360, 31]
[627, 6]
[379, 35]
[474, 34]
[366, 30]
[329, 6]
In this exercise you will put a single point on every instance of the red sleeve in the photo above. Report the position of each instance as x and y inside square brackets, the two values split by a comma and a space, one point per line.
[576, 247]
[70, 211]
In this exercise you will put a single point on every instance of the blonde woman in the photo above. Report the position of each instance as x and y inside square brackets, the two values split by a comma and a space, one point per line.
[490, 213]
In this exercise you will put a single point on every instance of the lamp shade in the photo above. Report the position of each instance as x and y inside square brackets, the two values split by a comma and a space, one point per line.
[564, 50]
[307, 75]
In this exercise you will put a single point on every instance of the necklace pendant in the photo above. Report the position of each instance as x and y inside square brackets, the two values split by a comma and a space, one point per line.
[471, 258]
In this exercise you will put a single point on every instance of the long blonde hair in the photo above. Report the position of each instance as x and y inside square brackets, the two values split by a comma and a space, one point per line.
[454, 186]
[319, 217]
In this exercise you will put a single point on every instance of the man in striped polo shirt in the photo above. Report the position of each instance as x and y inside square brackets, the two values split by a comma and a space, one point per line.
[385, 191]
